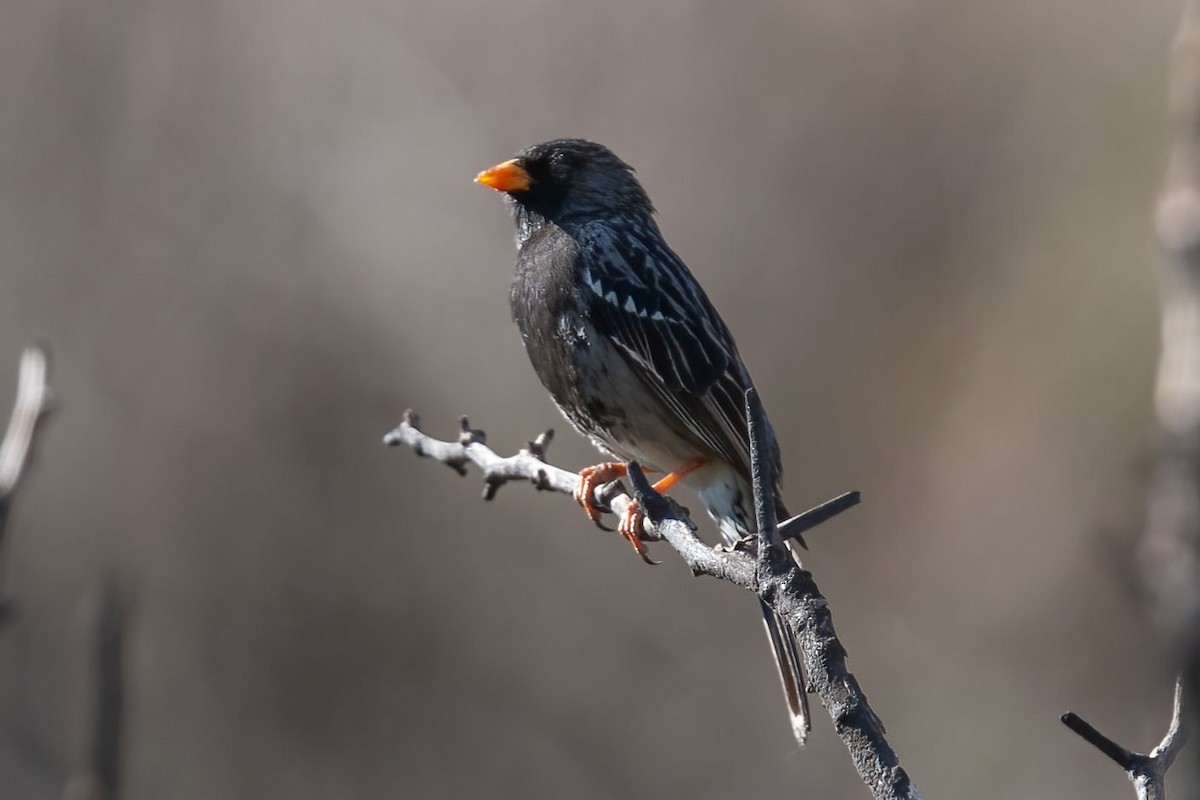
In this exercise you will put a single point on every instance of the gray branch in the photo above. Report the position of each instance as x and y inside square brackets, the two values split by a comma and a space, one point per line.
[100, 779]
[33, 400]
[32, 404]
[1170, 554]
[1170, 546]
[778, 579]
[1147, 771]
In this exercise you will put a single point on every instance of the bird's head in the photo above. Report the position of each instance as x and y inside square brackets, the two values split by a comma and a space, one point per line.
[568, 179]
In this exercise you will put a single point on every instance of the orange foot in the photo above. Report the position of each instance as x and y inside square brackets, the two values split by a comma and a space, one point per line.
[630, 526]
[591, 479]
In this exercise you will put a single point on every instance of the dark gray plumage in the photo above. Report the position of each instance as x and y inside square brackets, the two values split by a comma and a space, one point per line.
[627, 342]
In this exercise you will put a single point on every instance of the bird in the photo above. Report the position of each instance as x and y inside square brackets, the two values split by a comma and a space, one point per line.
[631, 349]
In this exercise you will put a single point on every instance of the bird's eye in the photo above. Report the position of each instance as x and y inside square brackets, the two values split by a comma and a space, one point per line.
[559, 168]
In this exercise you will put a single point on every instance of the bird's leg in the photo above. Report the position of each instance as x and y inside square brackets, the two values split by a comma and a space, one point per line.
[591, 479]
[630, 525]
[667, 482]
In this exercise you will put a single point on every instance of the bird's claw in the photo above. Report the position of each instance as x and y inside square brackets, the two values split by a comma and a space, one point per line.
[746, 544]
[630, 529]
[591, 479]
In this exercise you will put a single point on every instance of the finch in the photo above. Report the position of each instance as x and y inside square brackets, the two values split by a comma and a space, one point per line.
[631, 349]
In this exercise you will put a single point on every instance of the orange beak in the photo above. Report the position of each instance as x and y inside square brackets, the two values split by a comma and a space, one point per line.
[507, 177]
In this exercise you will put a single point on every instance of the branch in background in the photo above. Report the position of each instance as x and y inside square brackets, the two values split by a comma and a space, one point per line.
[32, 404]
[109, 690]
[33, 401]
[1171, 544]
[101, 779]
[781, 582]
[1147, 771]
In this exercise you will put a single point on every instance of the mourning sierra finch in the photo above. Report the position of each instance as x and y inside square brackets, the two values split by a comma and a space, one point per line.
[630, 348]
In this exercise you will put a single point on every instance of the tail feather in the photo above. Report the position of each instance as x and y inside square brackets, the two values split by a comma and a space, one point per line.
[787, 654]
[729, 501]
[791, 676]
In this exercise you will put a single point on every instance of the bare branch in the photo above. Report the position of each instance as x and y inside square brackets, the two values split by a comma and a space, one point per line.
[33, 400]
[674, 526]
[782, 583]
[1148, 772]
[32, 404]
[795, 527]
[101, 779]
[1170, 547]
[770, 546]
[529, 465]
[791, 591]
[110, 694]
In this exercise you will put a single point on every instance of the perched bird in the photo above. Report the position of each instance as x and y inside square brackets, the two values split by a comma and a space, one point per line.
[630, 347]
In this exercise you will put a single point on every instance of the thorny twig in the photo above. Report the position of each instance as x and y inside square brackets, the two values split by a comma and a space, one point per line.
[529, 465]
[1148, 772]
[781, 583]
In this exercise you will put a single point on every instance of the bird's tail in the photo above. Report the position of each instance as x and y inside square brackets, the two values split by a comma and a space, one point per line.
[787, 659]
[783, 644]
[787, 655]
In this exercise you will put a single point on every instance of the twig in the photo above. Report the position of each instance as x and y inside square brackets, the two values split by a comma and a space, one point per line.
[32, 404]
[33, 400]
[1148, 772]
[783, 584]
[529, 465]
[796, 526]
[471, 448]
[1170, 546]
[770, 546]
[791, 591]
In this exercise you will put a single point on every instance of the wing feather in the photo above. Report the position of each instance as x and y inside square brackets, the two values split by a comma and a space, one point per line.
[642, 296]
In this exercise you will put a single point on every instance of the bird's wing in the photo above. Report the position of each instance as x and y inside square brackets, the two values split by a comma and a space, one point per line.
[643, 298]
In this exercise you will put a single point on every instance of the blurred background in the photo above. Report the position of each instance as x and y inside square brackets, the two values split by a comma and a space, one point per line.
[249, 235]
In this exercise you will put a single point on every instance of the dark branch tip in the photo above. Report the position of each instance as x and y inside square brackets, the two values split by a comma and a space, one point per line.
[1125, 759]
[537, 448]
[469, 435]
[763, 476]
[795, 527]
[652, 503]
